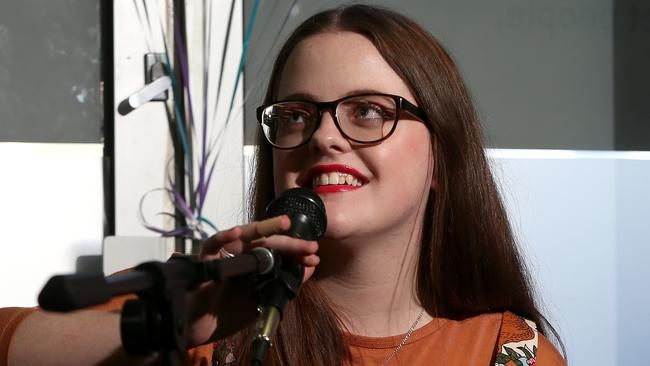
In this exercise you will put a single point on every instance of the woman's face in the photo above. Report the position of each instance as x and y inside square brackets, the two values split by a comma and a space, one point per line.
[395, 174]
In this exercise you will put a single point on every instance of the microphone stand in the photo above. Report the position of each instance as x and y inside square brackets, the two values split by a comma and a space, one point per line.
[156, 321]
[273, 295]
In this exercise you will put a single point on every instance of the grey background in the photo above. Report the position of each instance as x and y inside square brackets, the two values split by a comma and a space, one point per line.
[544, 74]
[49, 71]
[632, 74]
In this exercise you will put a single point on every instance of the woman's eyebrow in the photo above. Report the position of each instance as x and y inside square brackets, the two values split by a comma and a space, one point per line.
[298, 96]
[362, 91]
[310, 97]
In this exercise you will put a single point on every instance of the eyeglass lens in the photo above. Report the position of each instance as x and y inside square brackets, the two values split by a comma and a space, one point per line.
[364, 118]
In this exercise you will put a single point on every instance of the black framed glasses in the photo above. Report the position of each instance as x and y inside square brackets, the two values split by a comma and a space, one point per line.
[364, 118]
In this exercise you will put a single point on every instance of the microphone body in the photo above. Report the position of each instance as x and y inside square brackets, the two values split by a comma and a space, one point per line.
[308, 222]
[65, 293]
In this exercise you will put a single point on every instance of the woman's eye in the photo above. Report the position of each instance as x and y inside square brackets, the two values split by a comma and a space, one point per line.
[370, 111]
[295, 117]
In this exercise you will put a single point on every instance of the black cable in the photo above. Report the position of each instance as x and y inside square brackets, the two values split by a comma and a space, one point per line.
[179, 178]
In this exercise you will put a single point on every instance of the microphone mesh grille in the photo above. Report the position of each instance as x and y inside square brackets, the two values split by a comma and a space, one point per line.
[301, 201]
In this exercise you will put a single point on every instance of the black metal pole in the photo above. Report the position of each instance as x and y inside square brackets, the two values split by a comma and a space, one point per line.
[107, 88]
[179, 154]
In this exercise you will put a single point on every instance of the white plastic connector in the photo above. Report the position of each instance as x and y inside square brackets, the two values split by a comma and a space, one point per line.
[144, 95]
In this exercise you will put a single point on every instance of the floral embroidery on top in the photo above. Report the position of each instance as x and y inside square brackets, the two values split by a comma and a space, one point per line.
[517, 343]
[224, 354]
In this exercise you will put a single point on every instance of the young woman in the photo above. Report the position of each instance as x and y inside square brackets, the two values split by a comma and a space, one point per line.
[418, 265]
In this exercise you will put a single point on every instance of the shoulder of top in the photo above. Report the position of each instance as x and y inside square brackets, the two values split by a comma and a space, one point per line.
[548, 355]
[480, 318]
[517, 341]
[10, 318]
[520, 340]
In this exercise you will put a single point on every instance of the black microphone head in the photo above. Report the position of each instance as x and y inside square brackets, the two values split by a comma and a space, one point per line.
[305, 210]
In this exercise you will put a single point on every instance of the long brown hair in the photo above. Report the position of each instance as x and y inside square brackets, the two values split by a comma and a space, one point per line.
[468, 262]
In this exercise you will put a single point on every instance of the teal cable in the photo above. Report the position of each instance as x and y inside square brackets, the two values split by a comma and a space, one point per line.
[242, 59]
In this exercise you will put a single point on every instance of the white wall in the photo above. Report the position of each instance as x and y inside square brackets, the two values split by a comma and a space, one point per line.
[581, 219]
[50, 213]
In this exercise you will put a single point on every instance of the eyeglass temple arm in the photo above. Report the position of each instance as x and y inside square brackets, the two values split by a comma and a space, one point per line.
[413, 110]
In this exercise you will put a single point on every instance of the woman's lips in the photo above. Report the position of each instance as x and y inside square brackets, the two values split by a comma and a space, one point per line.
[334, 188]
[329, 178]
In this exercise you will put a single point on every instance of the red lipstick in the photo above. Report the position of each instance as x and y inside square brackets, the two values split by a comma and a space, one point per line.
[328, 168]
[338, 168]
[335, 188]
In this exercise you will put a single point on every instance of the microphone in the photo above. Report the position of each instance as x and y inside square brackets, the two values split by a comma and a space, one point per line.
[308, 222]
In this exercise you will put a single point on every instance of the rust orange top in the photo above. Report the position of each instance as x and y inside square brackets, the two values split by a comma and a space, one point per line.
[471, 341]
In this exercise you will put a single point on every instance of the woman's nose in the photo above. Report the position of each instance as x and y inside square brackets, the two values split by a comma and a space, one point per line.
[328, 138]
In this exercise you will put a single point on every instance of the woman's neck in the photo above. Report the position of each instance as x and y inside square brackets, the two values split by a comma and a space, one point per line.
[373, 286]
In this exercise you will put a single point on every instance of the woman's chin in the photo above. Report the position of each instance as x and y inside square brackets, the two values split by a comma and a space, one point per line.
[339, 225]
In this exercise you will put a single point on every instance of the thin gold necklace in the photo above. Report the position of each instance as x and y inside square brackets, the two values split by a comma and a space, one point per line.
[403, 341]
